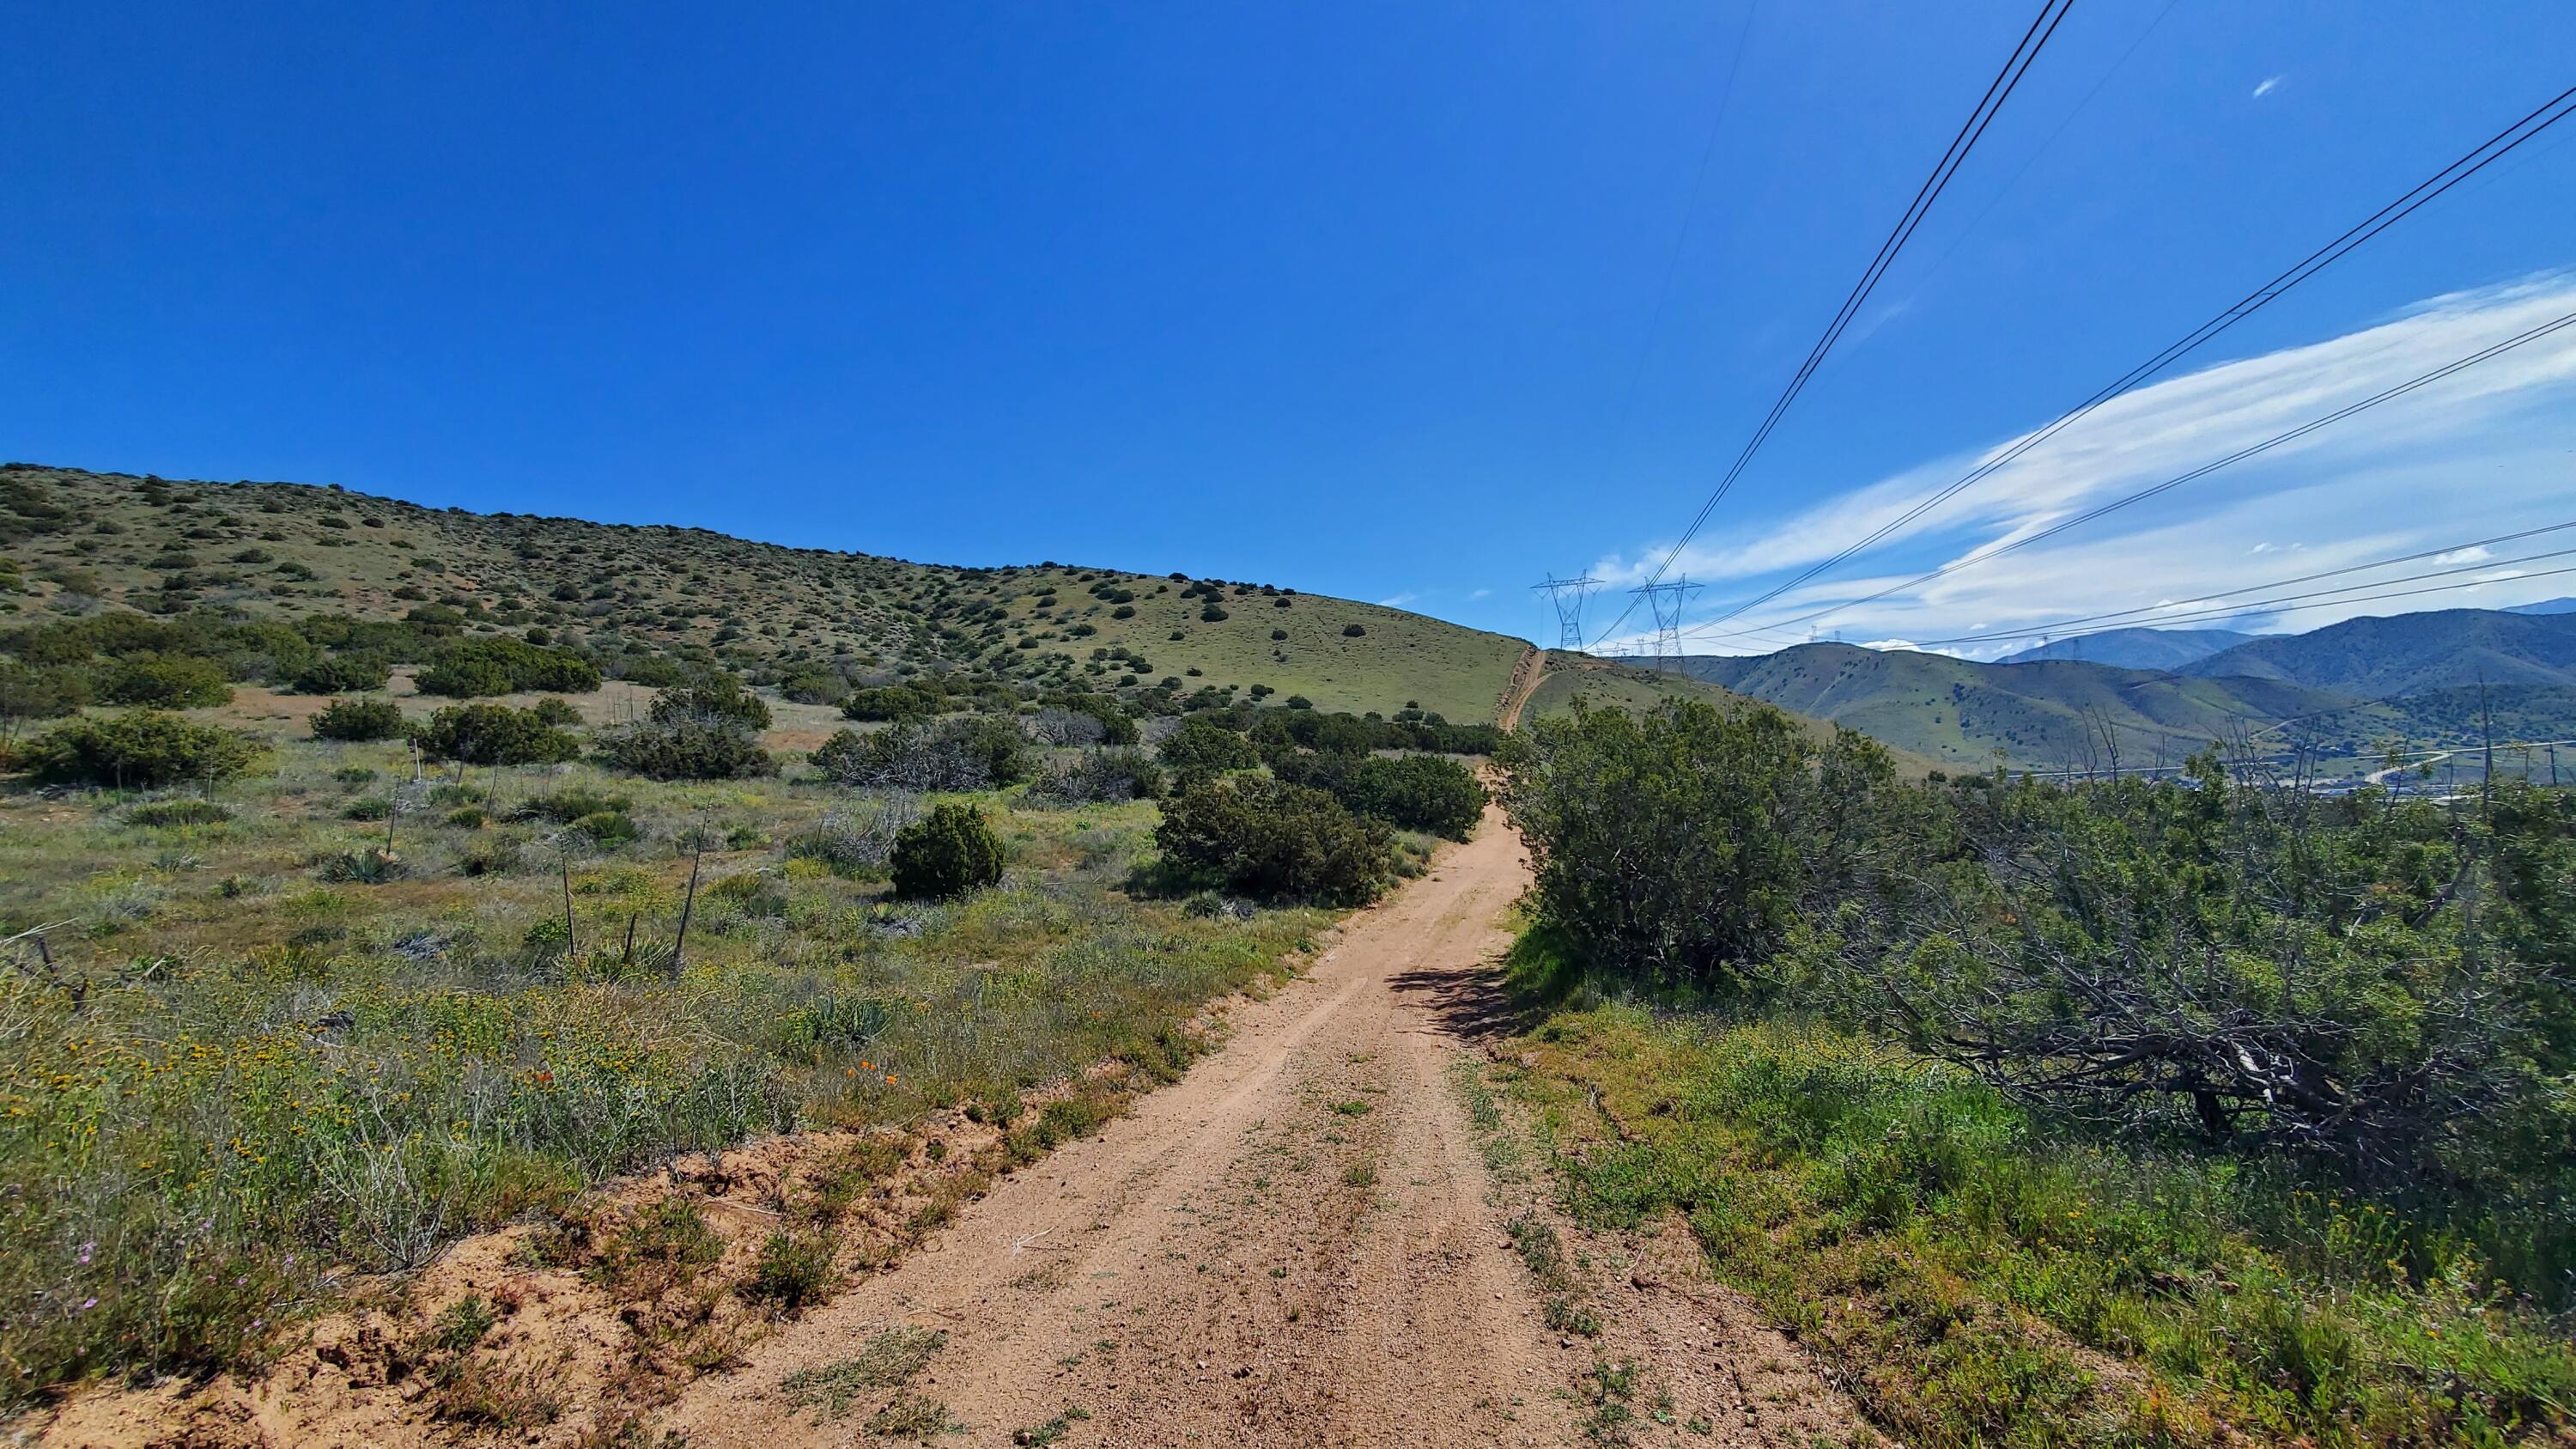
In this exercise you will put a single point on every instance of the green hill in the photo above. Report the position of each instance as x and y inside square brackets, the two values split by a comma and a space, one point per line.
[2044, 714]
[641, 601]
[1632, 687]
[2411, 653]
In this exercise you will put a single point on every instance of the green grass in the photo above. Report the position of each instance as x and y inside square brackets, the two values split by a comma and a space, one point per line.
[1978, 1279]
[245, 1081]
[886, 1361]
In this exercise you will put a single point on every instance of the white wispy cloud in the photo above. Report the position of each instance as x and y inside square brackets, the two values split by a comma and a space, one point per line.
[2269, 85]
[1397, 601]
[1479, 594]
[2480, 453]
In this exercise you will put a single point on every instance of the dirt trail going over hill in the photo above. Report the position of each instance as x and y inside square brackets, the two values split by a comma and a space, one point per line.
[1301, 1243]
[1528, 672]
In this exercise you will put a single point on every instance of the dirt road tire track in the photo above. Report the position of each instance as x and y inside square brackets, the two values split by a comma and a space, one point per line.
[1299, 1244]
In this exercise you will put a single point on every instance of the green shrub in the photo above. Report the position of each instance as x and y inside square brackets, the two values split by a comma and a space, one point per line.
[557, 712]
[566, 806]
[494, 734]
[140, 749]
[894, 702]
[35, 691]
[468, 668]
[358, 719]
[1272, 840]
[1354, 631]
[343, 674]
[1416, 792]
[607, 829]
[949, 852]
[686, 746]
[791, 1271]
[1688, 842]
[718, 697]
[1204, 746]
[166, 681]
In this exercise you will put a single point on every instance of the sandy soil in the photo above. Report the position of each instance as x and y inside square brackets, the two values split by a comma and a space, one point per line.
[1307, 1241]
[1301, 1243]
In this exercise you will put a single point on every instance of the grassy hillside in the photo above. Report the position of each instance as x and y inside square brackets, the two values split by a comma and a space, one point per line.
[1631, 687]
[2043, 714]
[2412, 653]
[640, 598]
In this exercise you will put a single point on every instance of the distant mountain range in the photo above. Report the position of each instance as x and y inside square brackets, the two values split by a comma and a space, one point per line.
[2409, 653]
[2346, 687]
[2136, 648]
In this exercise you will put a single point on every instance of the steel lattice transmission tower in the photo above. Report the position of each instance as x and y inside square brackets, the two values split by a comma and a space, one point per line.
[1666, 600]
[1567, 596]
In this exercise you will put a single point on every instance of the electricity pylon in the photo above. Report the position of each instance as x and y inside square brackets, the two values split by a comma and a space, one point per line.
[1666, 601]
[1567, 596]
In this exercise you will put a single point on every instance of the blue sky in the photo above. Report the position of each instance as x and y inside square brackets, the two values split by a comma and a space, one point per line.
[1403, 301]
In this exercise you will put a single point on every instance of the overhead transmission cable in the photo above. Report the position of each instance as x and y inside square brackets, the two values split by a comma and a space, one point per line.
[2448, 369]
[2477, 159]
[1690, 208]
[2076, 628]
[2000, 89]
[2273, 605]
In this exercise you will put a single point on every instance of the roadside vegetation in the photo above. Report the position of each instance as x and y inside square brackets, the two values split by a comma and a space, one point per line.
[286, 1008]
[2147, 1112]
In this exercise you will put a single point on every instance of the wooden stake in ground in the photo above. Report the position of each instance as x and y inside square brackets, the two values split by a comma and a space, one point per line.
[680, 943]
[566, 856]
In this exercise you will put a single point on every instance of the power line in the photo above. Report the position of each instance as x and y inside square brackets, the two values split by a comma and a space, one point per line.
[2477, 159]
[2422, 380]
[2075, 628]
[1681, 233]
[2266, 606]
[2000, 89]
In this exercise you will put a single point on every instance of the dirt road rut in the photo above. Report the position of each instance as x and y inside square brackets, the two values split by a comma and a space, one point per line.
[1300, 1243]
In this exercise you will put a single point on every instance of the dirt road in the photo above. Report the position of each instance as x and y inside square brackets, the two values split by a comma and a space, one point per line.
[1301, 1243]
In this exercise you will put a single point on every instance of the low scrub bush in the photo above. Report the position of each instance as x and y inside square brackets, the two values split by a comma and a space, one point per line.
[493, 734]
[949, 852]
[687, 746]
[468, 668]
[345, 673]
[139, 749]
[358, 719]
[1202, 746]
[1414, 792]
[166, 681]
[1273, 841]
[975, 753]
[1099, 777]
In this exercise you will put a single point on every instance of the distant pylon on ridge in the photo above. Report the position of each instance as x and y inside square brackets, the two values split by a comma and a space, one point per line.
[1567, 596]
[1666, 600]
